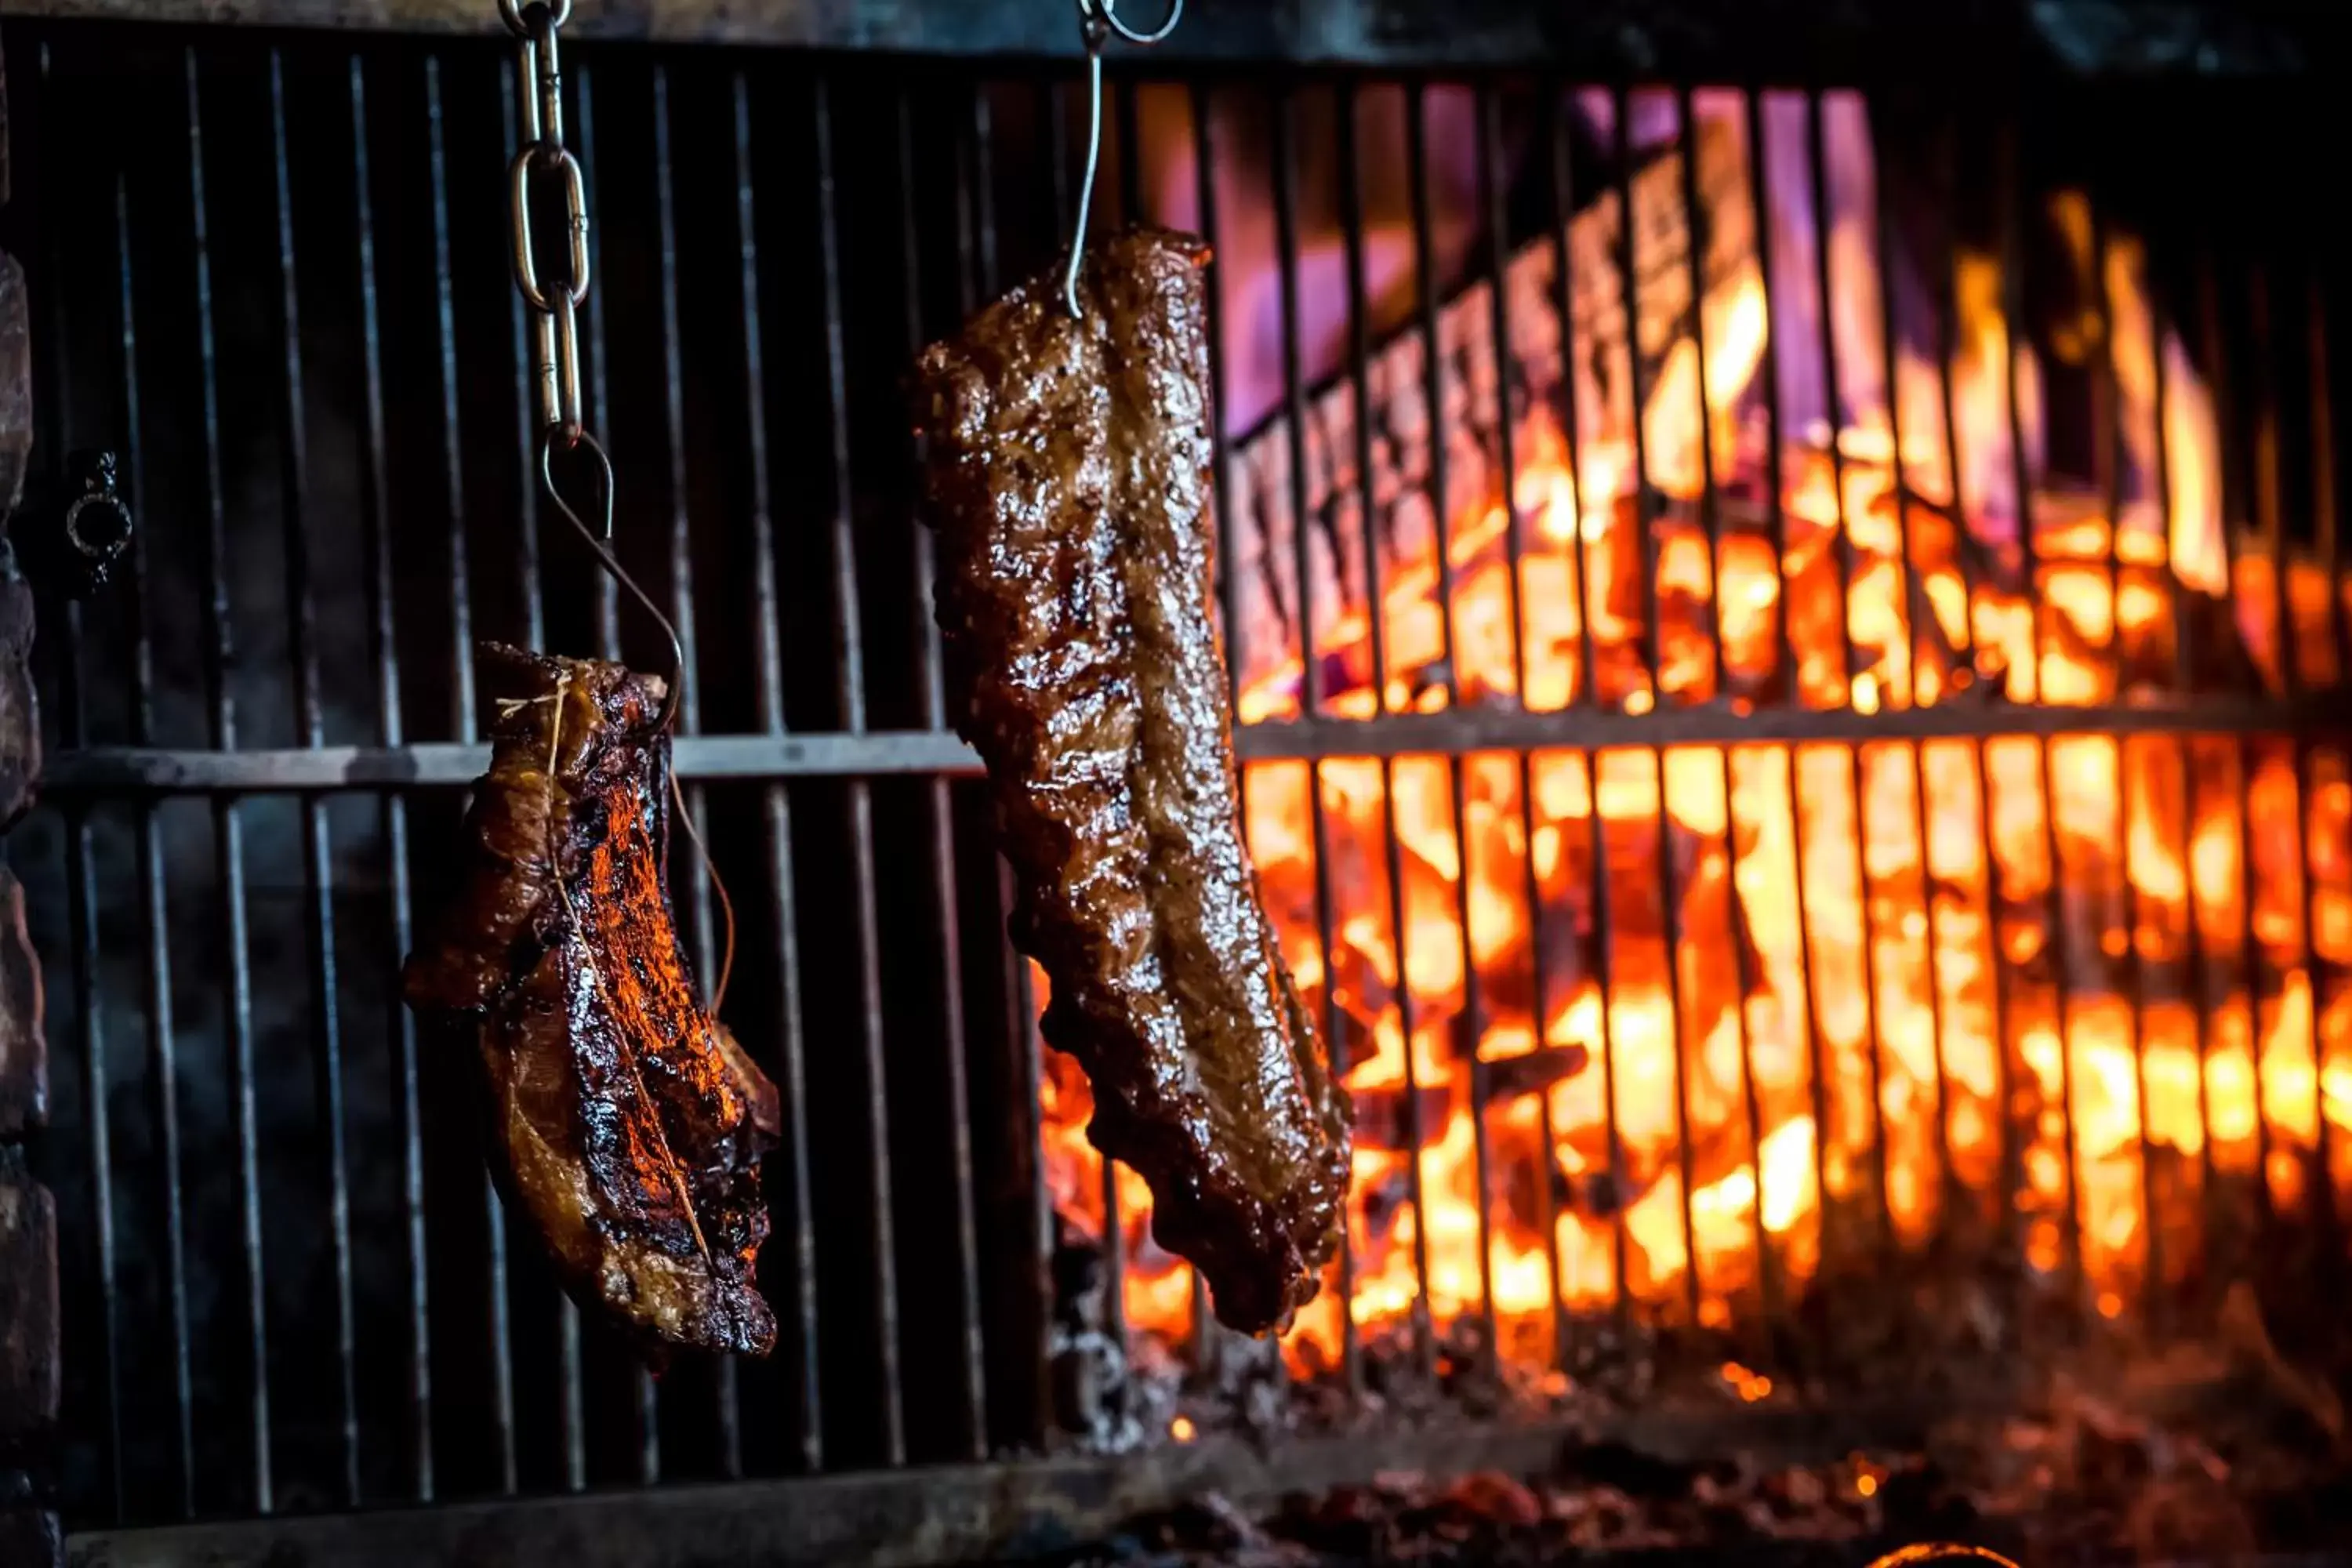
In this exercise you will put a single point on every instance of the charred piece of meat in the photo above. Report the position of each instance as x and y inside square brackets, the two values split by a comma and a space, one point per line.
[1067, 481]
[632, 1123]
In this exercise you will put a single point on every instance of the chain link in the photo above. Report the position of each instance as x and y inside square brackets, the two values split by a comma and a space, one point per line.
[541, 157]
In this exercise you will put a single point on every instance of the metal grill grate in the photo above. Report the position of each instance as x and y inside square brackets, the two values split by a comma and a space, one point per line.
[267, 271]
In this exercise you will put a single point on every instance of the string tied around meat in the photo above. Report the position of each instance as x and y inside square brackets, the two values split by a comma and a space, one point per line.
[1099, 21]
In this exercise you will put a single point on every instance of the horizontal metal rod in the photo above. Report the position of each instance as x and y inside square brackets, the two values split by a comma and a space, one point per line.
[1777, 39]
[996, 1512]
[128, 770]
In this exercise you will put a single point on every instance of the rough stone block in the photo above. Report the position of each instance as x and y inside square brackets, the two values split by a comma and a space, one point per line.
[24, 1049]
[28, 1302]
[16, 383]
[20, 710]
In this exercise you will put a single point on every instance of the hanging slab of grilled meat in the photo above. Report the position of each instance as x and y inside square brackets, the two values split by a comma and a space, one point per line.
[1067, 478]
[631, 1121]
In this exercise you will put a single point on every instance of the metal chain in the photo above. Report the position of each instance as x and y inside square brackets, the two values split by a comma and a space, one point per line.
[555, 307]
[543, 156]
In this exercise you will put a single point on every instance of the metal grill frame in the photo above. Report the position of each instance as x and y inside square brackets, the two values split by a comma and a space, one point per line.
[967, 1510]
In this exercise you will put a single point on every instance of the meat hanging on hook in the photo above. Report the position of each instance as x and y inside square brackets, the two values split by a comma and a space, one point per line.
[1098, 21]
[630, 1121]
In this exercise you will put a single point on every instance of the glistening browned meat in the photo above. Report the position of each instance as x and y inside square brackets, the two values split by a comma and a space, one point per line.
[1067, 462]
[631, 1123]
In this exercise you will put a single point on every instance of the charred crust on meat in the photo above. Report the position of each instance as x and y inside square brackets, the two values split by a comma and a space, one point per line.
[629, 1124]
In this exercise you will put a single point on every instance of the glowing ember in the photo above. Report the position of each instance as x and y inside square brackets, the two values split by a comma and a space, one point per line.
[1949, 994]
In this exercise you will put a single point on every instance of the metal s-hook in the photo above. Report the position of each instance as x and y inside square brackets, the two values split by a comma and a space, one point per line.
[1099, 20]
[1105, 13]
[600, 542]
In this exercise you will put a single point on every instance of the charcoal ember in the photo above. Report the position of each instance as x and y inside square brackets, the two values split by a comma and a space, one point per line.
[1077, 1273]
[1103, 1398]
[1491, 1495]
[1469, 1373]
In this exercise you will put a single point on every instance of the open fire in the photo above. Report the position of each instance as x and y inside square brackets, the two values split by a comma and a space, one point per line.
[2063, 928]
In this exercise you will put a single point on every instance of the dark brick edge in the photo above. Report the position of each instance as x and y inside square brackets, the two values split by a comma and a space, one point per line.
[31, 1534]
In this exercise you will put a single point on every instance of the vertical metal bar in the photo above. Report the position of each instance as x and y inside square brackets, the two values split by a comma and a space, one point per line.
[1603, 947]
[1204, 1326]
[850, 662]
[228, 826]
[608, 593]
[2108, 383]
[1204, 148]
[1645, 513]
[2272, 523]
[1351, 225]
[2326, 517]
[1490, 160]
[2013, 269]
[527, 429]
[466, 717]
[2250, 952]
[977, 278]
[375, 515]
[1695, 227]
[1312, 695]
[682, 617]
[326, 1023]
[2268, 507]
[799, 1222]
[982, 192]
[1817, 159]
[1670, 907]
[2183, 747]
[572, 1394]
[1759, 177]
[1470, 1024]
[162, 1040]
[931, 678]
[89, 1037]
[2328, 548]
[1558, 150]
[1628, 282]
[1130, 149]
[2004, 1080]
[1710, 505]
[1599, 947]
[1792, 675]
[1918, 613]
[1351, 197]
